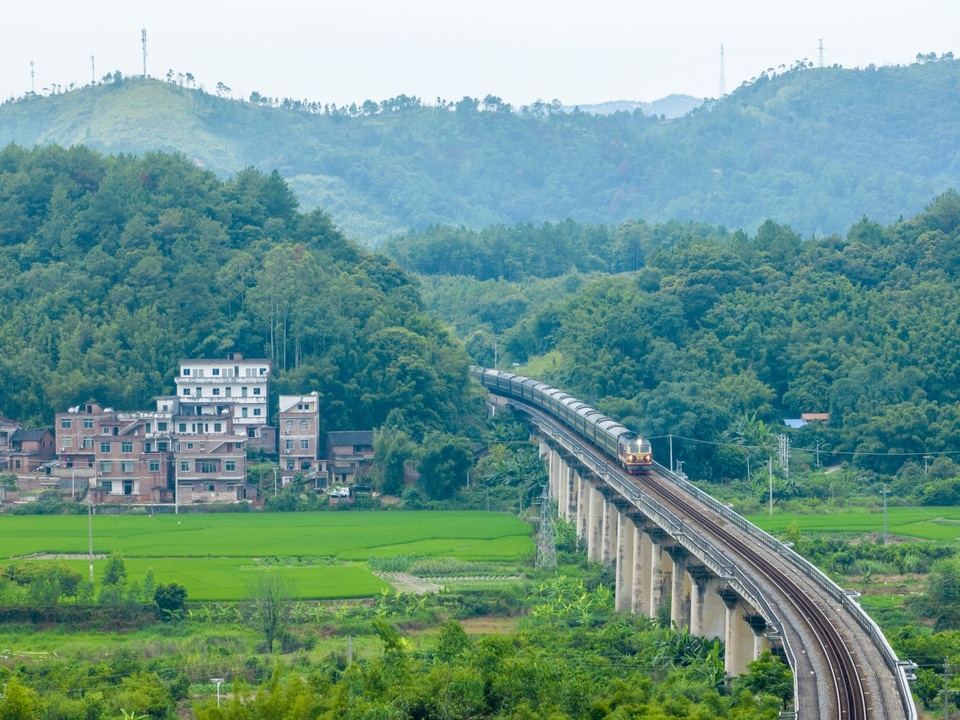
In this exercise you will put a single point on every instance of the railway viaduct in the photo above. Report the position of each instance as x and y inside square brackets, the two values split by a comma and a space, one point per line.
[677, 550]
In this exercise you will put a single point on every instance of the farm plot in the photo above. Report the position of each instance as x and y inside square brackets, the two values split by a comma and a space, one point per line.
[215, 556]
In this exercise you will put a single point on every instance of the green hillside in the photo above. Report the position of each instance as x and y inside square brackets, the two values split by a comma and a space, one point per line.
[813, 148]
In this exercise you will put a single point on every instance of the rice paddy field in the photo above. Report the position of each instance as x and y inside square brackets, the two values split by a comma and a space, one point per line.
[924, 523]
[214, 556]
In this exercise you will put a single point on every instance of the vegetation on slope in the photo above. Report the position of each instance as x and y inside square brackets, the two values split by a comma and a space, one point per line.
[811, 147]
[112, 269]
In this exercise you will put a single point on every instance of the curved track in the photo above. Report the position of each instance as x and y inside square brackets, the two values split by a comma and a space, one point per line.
[849, 699]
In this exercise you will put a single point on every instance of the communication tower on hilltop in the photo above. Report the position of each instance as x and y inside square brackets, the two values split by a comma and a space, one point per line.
[821, 52]
[546, 542]
[143, 39]
[723, 75]
[31, 78]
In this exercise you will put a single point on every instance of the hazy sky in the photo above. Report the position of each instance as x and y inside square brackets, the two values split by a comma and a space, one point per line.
[522, 50]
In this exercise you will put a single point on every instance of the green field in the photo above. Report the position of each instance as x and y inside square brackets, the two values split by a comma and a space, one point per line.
[925, 523]
[214, 556]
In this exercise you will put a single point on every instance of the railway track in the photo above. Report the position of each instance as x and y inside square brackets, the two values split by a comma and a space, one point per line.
[848, 697]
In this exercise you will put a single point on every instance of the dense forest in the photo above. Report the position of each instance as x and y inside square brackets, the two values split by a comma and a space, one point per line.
[719, 336]
[112, 269]
[814, 148]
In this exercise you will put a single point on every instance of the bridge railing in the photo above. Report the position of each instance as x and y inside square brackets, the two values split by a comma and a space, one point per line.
[899, 668]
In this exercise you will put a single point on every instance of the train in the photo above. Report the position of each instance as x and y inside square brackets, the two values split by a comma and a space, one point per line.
[632, 451]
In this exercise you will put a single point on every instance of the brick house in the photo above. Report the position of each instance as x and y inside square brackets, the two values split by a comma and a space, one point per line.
[349, 456]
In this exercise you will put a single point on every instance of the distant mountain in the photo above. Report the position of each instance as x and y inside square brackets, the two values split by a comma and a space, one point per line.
[813, 148]
[672, 106]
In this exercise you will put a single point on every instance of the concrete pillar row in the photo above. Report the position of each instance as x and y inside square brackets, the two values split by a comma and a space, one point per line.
[759, 626]
[623, 598]
[553, 471]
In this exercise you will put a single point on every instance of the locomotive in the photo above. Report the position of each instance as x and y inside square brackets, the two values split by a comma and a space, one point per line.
[631, 451]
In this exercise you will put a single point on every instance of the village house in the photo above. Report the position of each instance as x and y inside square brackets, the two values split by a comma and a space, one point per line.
[349, 456]
[299, 438]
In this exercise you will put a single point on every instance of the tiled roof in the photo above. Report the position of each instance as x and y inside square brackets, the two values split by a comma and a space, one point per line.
[350, 437]
[27, 435]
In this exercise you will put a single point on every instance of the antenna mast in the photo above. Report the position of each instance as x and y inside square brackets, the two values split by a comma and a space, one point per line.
[143, 38]
[723, 75]
[32, 91]
[821, 52]
[93, 72]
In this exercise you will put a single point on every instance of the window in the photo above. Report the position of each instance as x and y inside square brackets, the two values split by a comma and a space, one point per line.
[163, 446]
[128, 487]
[106, 466]
[304, 425]
[216, 371]
[208, 466]
[186, 391]
[288, 425]
[88, 442]
[186, 372]
[104, 447]
[67, 441]
[216, 391]
[147, 428]
[182, 427]
[243, 411]
[154, 466]
[126, 467]
[229, 391]
[184, 466]
[218, 427]
[126, 447]
[211, 487]
[189, 446]
[256, 391]
[305, 465]
[256, 412]
[288, 445]
[199, 392]
[106, 485]
[230, 465]
[65, 423]
[304, 444]
[161, 427]
[289, 464]
[148, 446]
[88, 424]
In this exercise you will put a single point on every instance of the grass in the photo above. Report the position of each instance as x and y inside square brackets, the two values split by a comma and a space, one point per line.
[924, 523]
[215, 556]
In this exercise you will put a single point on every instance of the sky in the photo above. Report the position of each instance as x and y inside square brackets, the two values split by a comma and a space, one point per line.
[345, 51]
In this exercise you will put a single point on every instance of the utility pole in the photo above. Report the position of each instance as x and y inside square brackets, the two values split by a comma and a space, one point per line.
[723, 74]
[946, 689]
[91, 484]
[818, 454]
[32, 89]
[925, 458]
[671, 453]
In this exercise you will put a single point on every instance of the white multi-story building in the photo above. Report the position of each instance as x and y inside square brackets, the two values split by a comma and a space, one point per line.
[232, 386]
[299, 436]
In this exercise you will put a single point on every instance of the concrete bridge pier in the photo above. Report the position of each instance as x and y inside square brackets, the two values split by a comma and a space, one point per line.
[595, 525]
[610, 517]
[642, 559]
[739, 637]
[708, 614]
[657, 538]
[626, 530]
[583, 507]
[679, 589]
[569, 512]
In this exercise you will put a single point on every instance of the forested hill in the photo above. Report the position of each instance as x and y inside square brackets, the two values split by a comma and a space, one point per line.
[814, 148]
[721, 335]
[112, 269]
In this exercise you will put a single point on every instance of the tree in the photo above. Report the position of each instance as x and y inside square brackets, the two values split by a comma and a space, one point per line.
[268, 605]
[19, 702]
[768, 675]
[171, 600]
[444, 462]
